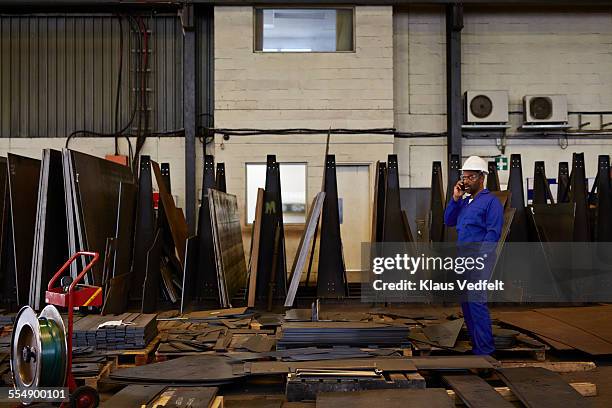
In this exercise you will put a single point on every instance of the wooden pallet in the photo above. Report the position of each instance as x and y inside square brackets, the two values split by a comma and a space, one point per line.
[93, 381]
[424, 349]
[537, 354]
[526, 347]
[131, 358]
[159, 357]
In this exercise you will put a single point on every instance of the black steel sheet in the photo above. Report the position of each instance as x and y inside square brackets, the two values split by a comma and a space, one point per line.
[144, 233]
[23, 175]
[436, 232]
[378, 210]
[220, 183]
[518, 232]
[578, 195]
[206, 276]
[190, 272]
[150, 287]
[395, 228]
[97, 181]
[271, 218]
[51, 249]
[415, 202]
[563, 183]
[331, 273]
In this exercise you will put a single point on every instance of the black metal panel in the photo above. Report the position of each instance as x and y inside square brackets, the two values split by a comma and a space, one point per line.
[578, 195]
[493, 177]
[116, 300]
[554, 223]
[7, 262]
[71, 211]
[604, 200]
[96, 188]
[454, 103]
[454, 173]
[220, 182]
[174, 216]
[124, 230]
[145, 227]
[378, 215]
[436, 231]
[416, 204]
[541, 189]
[331, 274]
[23, 174]
[51, 237]
[518, 232]
[190, 272]
[162, 221]
[165, 172]
[272, 216]
[206, 273]
[150, 287]
[395, 226]
[563, 183]
[190, 51]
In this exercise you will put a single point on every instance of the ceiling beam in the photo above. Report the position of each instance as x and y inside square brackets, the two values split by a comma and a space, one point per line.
[177, 3]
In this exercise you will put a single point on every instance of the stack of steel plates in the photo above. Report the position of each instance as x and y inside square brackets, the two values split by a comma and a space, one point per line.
[135, 332]
[298, 334]
[6, 319]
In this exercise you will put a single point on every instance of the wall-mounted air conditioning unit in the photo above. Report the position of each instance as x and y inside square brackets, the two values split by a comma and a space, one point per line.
[545, 109]
[486, 107]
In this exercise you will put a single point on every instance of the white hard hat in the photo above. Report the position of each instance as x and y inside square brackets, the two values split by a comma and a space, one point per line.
[475, 163]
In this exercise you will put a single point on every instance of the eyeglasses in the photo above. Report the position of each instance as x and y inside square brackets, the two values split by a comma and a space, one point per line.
[470, 177]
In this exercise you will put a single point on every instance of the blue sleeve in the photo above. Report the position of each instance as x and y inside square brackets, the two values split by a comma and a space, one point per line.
[453, 208]
[494, 221]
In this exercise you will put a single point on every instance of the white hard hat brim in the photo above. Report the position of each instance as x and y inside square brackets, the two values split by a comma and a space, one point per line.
[471, 169]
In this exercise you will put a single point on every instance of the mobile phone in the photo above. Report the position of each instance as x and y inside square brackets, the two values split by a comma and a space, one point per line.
[462, 186]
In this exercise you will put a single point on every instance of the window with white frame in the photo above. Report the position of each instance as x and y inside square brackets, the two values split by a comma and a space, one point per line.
[293, 190]
[304, 29]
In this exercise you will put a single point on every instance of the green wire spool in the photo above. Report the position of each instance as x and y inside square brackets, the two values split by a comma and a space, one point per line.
[39, 351]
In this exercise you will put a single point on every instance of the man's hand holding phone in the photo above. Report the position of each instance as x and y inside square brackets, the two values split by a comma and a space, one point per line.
[458, 191]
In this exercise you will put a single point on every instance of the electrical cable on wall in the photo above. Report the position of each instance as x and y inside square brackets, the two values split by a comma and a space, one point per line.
[140, 104]
[119, 74]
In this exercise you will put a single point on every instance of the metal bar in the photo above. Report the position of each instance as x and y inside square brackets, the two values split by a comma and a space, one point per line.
[189, 117]
[176, 3]
[454, 107]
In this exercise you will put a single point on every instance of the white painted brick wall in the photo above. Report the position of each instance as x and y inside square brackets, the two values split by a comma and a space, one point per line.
[266, 90]
[526, 52]
[311, 90]
[523, 51]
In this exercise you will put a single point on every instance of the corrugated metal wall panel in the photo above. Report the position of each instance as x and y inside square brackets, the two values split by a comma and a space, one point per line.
[59, 74]
[205, 69]
[167, 71]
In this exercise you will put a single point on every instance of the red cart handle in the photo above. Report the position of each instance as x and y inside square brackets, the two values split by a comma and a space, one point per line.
[80, 276]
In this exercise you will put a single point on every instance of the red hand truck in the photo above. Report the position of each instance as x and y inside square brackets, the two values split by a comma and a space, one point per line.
[71, 294]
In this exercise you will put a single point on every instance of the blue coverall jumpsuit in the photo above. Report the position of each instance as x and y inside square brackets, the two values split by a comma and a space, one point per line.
[478, 221]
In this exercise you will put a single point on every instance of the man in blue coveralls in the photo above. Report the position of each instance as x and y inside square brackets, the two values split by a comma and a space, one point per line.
[479, 217]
